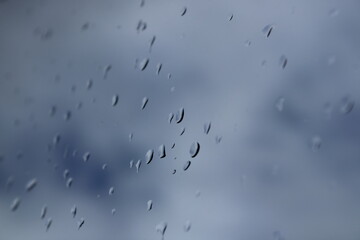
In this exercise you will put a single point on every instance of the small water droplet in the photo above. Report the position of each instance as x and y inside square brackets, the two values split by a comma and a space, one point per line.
[283, 61]
[66, 173]
[183, 11]
[171, 117]
[231, 17]
[89, 84]
[104, 166]
[207, 127]
[279, 105]
[15, 204]
[86, 156]
[179, 115]
[218, 139]
[187, 165]
[172, 146]
[31, 184]
[141, 26]
[138, 165]
[144, 102]
[347, 105]
[43, 212]
[111, 191]
[81, 223]
[149, 156]
[152, 42]
[187, 226]
[113, 211]
[161, 151]
[149, 205]
[161, 228]
[158, 68]
[267, 30]
[69, 183]
[67, 115]
[174, 171]
[115, 100]
[73, 211]
[316, 143]
[107, 70]
[143, 64]
[131, 163]
[194, 149]
[48, 224]
[85, 26]
[182, 131]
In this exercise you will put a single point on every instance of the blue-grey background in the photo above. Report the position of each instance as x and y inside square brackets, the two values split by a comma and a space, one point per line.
[279, 172]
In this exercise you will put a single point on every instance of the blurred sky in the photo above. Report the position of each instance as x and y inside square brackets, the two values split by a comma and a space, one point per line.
[287, 165]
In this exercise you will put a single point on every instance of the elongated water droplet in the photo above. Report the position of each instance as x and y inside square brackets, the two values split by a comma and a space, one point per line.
[48, 224]
[183, 11]
[171, 117]
[141, 26]
[158, 68]
[81, 223]
[231, 17]
[194, 149]
[56, 139]
[43, 212]
[138, 165]
[187, 165]
[115, 100]
[69, 183]
[67, 115]
[142, 3]
[283, 61]
[174, 171]
[182, 131]
[66, 173]
[152, 42]
[149, 205]
[173, 145]
[15, 204]
[143, 64]
[149, 156]
[218, 139]
[52, 111]
[89, 84]
[187, 226]
[107, 70]
[279, 105]
[207, 127]
[131, 163]
[113, 211]
[104, 166]
[267, 30]
[144, 102]
[31, 184]
[179, 115]
[161, 151]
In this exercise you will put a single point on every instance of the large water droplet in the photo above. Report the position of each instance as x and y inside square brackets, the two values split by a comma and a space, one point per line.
[194, 149]
[183, 11]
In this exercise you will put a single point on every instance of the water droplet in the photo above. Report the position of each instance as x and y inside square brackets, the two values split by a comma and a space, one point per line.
[187, 226]
[182, 131]
[43, 212]
[113, 211]
[89, 84]
[115, 100]
[138, 165]
[9, 183]
[141, 26]
[207, 127]
[172, 146]
[149, 205]
[174, 171]
[85, 26]
[73, 211]
[81, 223]
[67, 115]
[48, 224]
[69, 183]
[187, 165]
[218, 139]
[31, 184]
[347, 105]
[197, 194]
[158, 68]
[279, 105]
[131, 163]
[66, 173]
[283, 61]
[149, 156]
[171, 117]
[144, 102]
[161, 228]
[86, 156]
[131, 135]
[111, 191]
[316, 143]
[267, 30]
[231, 17]
[247, 43]
[161, 151]
[169, 76]
[143, 64]
[52, 111]
[142, 3]
[179, 115]
[15, 204]
[194, 149]
[183, 11]
[152, 42]
[56, 139]
[107, 70]
[104, 166]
